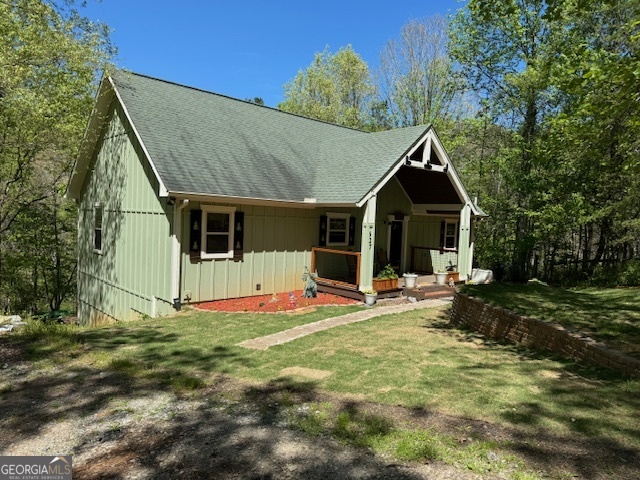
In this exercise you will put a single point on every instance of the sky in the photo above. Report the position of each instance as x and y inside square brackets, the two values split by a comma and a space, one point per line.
[247, 49]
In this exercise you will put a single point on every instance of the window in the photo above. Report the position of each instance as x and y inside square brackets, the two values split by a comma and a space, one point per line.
[451, 234]
[97, 228]
[337, 229]
[217, 232]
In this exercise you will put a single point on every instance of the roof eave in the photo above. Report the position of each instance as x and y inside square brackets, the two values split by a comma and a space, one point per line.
[100, 110]
[106, 93]
[305, 203]
[162, 189]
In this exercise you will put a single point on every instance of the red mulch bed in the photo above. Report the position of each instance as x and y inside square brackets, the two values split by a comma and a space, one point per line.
[279, 302]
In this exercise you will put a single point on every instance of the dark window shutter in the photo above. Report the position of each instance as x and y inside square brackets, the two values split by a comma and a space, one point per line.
[238, 236]
[443, 226]
[457, 236]
[322, 241]
[352, 231]
[195, 229]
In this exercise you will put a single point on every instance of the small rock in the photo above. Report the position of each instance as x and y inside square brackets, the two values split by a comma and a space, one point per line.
[6, 365]
[492, 456]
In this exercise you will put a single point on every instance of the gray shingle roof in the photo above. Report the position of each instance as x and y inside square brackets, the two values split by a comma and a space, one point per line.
[204, 143]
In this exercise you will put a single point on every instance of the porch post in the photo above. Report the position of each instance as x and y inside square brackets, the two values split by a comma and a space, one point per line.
[367, 247]
[465, 251]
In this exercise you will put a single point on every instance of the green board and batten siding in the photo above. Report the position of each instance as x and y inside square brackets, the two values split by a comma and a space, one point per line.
[132, 276]
[277, 248]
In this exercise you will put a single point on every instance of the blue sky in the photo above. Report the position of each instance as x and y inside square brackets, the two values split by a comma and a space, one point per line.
[249, 48]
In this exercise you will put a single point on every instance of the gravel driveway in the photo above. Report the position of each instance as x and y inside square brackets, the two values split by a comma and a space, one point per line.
[116, 431]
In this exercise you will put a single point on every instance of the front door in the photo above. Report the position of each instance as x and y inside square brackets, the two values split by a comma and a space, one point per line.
[395, 243]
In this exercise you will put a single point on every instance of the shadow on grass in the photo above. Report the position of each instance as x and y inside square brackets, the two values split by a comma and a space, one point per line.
[240, 441]
[585, 400]
[247, 442]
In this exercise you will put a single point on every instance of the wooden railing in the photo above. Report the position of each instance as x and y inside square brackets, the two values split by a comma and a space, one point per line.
[336, 267]
[429, 259]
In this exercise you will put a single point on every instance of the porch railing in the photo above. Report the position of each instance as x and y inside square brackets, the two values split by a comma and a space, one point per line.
[431, 259]
[336, 267]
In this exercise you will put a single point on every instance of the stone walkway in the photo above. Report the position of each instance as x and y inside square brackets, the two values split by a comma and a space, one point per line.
[262, 343]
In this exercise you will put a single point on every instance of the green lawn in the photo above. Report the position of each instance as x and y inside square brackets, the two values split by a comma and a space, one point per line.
[414, 360]
[611, 315]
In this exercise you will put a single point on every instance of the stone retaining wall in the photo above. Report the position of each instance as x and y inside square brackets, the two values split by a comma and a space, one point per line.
[497, 322]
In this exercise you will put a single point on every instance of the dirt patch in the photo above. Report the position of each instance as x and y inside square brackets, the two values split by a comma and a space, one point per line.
[305, 372]
[280, 302]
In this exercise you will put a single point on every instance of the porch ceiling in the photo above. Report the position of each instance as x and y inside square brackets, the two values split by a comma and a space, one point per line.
[427, 187]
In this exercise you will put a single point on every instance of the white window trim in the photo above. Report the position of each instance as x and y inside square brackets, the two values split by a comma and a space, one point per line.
[345, 216]
[203, 235]
[93, 229]
[455, 223]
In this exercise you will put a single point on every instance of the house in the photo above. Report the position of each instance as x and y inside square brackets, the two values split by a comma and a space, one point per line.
[190, 196]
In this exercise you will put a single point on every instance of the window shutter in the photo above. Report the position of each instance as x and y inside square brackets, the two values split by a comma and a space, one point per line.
[323, 231]
[238, 236]
[195, 230]
[352, 231]
[443, 226]
[457, 236]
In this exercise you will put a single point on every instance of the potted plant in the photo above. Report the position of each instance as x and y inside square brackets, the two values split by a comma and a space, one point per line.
[370, 297]
[410, 280]
[387, 279]
[452, 273]
[441, 277]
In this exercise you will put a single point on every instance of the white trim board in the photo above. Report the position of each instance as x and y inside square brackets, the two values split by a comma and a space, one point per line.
[163, 190]
[430, 139]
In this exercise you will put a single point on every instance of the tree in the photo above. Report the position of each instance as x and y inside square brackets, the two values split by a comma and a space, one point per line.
[417, 77]
[503, 49]
[51, 58]
[256, 100]
[336, 88]
[597, 131]
[563, 77]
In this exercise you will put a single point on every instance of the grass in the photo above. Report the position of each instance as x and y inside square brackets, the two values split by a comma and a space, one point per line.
[378, 433]
[611, 315]
[414, 360]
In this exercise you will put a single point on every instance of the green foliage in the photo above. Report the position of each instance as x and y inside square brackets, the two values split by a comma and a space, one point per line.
[184, 383]
[387, 272]
[51, 59]
[47, 339]
[336, 88]
[552, 154]
[419, 445]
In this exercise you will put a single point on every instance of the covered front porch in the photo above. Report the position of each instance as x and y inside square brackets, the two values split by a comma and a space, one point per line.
[338, 275]
[418, 219]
